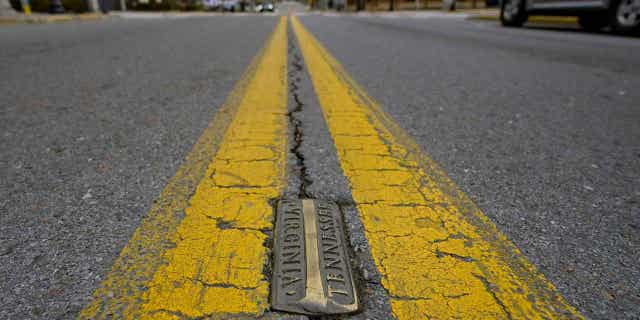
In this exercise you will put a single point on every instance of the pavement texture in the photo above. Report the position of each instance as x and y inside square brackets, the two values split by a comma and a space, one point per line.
[538, 127]
[95, 118]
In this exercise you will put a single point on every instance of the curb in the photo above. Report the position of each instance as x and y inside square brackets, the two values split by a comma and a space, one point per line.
[36, 18]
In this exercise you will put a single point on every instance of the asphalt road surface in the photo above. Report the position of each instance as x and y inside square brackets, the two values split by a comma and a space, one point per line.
[537, 126]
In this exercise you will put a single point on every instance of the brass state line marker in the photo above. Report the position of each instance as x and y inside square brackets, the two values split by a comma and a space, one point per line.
[312, 273]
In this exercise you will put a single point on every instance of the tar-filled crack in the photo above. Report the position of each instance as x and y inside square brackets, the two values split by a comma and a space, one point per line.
[442, 254]
[295, 72]
[267, 268]
[173, 313]
[490, 288]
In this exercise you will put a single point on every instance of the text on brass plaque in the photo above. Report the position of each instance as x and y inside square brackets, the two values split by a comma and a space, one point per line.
[312, 273]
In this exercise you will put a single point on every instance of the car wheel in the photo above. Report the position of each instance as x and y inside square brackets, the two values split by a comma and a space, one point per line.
[593, 22]
[512, 13]
[625, 16]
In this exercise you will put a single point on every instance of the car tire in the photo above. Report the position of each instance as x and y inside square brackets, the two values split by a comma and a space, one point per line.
[513, 13]
[624, 16]
[593, 22]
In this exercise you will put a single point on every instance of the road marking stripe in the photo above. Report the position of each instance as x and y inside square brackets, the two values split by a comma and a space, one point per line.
[209, 260]
[439, 256]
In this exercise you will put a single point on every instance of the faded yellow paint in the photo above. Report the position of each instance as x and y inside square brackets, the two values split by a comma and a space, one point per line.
[208, 261]
[439, 256]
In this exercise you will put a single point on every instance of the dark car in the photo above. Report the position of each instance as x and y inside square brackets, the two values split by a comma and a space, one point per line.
[623, 16]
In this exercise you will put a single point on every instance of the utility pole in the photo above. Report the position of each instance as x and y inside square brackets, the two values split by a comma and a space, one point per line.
[123, 5]
[392, 5]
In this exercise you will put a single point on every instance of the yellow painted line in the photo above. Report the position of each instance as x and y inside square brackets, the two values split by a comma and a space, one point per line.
[439, 256]
[553, 19]
[200, 252]
[533, 19]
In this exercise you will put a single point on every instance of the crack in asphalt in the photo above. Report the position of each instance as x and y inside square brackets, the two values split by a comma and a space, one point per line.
[297, 67]
[375, 303]
[490, 289]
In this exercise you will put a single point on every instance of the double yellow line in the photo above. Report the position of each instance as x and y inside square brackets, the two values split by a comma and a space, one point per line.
[200, 252]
